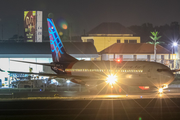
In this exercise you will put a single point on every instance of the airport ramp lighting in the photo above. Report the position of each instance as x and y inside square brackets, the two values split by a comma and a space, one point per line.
[111, 79]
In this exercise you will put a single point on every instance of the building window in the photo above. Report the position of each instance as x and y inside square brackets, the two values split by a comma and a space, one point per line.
[135, 57]
[90, 40]
[132, 41]
[111, 57]
[118, 41]
[125, 41]
[162, 59]
[148, 57]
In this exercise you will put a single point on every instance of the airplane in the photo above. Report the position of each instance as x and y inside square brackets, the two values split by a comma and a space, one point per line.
[93, 73]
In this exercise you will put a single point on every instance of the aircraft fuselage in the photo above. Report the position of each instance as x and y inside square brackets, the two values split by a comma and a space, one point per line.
[137, 73]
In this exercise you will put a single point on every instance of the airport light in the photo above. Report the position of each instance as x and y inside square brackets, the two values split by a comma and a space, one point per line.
[111, 79]
[174, 44]
[68, 81]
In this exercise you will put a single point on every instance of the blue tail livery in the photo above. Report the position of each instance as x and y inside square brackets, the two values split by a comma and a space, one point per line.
[57, 48]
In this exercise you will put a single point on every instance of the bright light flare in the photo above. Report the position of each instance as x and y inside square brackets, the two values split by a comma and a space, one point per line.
[111, 79]
[174, 43]
[68, 81]
[118, 60]
[160, 90]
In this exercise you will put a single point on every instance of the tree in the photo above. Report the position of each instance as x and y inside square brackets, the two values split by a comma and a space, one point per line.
[155, 37]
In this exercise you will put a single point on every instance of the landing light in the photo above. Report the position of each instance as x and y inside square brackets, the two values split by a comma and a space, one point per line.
[160, 90]
[111, 79]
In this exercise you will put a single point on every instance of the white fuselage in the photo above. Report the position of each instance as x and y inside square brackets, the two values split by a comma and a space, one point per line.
[135, 73]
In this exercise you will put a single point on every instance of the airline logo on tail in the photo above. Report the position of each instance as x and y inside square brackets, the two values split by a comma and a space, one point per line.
[55, 41]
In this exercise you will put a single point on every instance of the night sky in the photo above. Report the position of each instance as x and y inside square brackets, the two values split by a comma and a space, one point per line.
[86, 14]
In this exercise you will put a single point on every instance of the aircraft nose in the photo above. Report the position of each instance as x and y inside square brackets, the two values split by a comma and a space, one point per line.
[168, 76]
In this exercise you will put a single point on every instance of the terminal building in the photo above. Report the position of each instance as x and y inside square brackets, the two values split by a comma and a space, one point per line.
[40, 53]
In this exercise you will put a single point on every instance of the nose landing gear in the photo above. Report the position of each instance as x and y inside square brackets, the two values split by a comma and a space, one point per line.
[160, 90]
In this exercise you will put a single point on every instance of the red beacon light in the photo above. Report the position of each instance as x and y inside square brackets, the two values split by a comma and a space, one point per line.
[118, 60]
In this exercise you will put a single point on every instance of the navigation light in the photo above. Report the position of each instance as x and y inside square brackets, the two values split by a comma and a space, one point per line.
[118, 60]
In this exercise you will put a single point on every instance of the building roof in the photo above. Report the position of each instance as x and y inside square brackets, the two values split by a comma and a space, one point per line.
[110, 28]
[44, 48]
[134, 48]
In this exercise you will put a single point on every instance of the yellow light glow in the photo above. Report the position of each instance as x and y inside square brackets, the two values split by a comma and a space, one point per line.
[111, 79]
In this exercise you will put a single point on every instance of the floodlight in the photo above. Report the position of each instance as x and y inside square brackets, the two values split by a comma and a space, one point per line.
[174, 43]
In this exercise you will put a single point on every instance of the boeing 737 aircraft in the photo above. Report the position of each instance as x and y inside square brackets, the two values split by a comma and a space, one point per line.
[89, 73]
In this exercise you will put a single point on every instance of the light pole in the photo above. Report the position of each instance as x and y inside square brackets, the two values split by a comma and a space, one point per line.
[174, 45]
[1, 28]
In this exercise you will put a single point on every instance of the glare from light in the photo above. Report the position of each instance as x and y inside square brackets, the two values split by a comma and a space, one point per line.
[64, 26]
[112, 96]
[174, 43]
[160, 90]
[111, 79]
[53, 80]
[68, 81]
[160, 95]
[118, 60]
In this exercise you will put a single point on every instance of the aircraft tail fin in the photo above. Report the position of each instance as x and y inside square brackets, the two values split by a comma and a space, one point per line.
[57, 48]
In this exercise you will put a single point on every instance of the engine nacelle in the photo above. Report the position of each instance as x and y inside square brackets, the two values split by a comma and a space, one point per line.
[78, 81]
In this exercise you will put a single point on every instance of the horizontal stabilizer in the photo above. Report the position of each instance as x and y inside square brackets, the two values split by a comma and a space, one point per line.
[177, 70]
[46, 64]
[161, 70]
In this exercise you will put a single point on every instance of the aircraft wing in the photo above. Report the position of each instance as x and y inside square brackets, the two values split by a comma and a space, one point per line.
[46, 64]
[50, 75]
